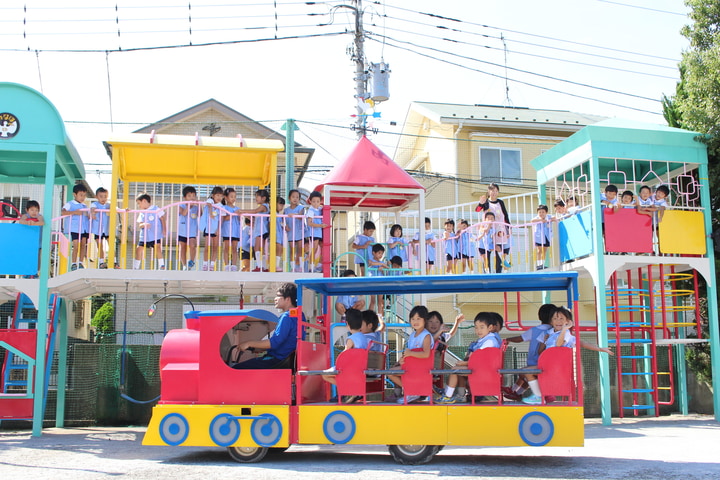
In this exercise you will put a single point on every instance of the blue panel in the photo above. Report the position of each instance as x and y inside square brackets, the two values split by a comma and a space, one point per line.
[19, 246]
[575, 236]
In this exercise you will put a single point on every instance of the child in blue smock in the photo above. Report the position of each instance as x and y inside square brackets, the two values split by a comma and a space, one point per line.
[230, 230]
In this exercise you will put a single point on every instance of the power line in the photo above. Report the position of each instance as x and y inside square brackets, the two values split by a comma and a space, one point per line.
[167, 47]
[454, 20]
[577, 52]
[528, 83]
[518, 52]
[643, 8]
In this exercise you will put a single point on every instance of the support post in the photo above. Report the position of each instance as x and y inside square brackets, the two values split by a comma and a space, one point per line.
[42, 306]
[62, 335]
[600, 297]
[711, 281]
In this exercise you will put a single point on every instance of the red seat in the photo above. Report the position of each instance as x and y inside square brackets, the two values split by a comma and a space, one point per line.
[351, 365]
[417, 379]
[557, 376]
[485, 379]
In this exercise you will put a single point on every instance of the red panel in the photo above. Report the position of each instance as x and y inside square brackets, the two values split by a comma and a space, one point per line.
[312, 356]
[221, 384]
[16, 408]
[627, 231]
[245, 387]
[557, 372]
[351, 365]
[417, 379]
[179, 382]
[180, 346]
[23, 340]
[485, 379]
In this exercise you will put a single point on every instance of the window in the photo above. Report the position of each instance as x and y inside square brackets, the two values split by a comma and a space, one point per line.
[500, 165]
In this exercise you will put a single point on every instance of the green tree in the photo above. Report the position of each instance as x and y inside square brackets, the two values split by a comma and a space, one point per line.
[696, 106]
[104, 319]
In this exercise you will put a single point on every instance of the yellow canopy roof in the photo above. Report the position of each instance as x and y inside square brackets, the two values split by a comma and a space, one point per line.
[141, 157]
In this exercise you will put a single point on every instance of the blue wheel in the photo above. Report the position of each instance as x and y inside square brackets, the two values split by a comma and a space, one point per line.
[267, 430]
[224, 430]
[536, 429]
[339, 427]
[174, 429]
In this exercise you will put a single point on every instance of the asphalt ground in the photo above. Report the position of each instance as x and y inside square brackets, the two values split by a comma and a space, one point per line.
[666, 448]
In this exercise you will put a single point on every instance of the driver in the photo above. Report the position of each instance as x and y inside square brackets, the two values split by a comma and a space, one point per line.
[282, 341]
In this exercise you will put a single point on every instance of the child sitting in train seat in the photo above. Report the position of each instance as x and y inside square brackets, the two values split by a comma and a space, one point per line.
[487, 326]
[436, 327]
[441, 336]
[356, 339]
[419, 345]
[430, 239]
[451, 245]
[245, 247]
[346, 302]
[295, 229]
[362, 245]
[559, 336]
[373, 327]
[627, 200]
[212, 211]
[660, 201]
[397, 245]
[151, 223]
[645, 203]
[534, 335]
[188, 228]
[77, 225]
[230, 230]
[486, 245]
[465, 249]
[542, 234]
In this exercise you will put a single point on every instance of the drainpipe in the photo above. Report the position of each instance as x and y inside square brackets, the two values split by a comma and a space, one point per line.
[457, 162]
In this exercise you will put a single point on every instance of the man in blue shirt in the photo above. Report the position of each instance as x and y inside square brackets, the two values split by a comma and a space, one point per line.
[282, 341]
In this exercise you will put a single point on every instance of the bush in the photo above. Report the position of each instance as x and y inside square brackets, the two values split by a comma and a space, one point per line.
[104, 319]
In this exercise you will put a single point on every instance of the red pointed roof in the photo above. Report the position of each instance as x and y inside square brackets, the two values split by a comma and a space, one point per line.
[366, 167]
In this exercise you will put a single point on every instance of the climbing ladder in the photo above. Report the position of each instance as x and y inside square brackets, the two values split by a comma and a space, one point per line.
[644, 319]
[19, 362]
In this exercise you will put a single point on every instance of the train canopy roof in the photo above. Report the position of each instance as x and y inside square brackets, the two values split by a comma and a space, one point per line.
[441, 284]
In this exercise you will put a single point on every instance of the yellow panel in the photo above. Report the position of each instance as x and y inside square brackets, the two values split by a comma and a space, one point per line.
[199, 418]
[500, 426]
[441, 425]
[377, 424]
[176, 159]
[682, 232]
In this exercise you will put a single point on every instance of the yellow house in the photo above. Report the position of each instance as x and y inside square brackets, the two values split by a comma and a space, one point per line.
[456, 150]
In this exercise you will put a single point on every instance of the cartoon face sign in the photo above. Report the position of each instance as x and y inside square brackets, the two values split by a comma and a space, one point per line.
[9, 125]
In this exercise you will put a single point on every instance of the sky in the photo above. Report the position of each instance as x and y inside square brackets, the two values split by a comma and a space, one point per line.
[102, 68]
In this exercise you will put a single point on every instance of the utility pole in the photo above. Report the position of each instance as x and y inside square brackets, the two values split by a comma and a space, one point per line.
[360, 73]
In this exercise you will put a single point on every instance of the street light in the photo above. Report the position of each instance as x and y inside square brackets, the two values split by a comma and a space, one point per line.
[153, 306]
